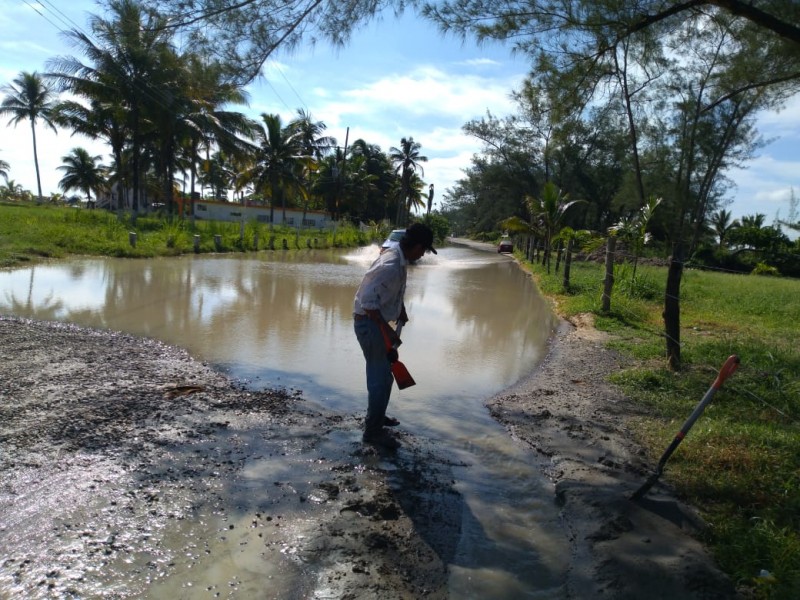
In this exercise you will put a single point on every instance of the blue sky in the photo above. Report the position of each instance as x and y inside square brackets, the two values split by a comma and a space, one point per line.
[398, 78]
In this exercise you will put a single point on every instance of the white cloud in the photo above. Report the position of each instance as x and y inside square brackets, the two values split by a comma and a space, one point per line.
[782, 122]
[765, 186]
[427, 102]
[481, 62]
[431, 91]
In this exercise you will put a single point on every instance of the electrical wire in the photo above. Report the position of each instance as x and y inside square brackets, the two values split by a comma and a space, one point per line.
[289, 83]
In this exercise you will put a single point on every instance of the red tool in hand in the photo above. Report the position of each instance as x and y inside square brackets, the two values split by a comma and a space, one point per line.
[399, 371]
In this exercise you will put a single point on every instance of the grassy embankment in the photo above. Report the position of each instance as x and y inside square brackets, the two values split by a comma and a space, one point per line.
[29, 232]
[740, 463]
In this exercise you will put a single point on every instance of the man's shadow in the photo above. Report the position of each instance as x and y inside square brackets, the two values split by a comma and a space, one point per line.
[423, 484]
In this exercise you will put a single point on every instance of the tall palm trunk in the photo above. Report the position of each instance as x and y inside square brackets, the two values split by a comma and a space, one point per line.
[136, 149]
[194, 154]
[36, 160]
[273, 192]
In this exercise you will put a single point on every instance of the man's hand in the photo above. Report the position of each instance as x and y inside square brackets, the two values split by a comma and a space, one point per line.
[394, 339]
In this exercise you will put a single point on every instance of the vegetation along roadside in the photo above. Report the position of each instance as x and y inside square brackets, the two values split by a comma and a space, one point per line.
[740, 464]
[30, 232]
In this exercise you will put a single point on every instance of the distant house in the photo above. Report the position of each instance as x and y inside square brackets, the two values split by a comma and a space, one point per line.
[109, 199]
[226, 211]
[218, 210]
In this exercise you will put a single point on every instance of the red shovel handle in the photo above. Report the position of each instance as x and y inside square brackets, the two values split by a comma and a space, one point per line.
[728, 369]
[386, 339]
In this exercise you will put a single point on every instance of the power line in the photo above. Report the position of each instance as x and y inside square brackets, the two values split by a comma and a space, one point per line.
[62, 17]
[272, 87]
[289, 83]
[38, 12]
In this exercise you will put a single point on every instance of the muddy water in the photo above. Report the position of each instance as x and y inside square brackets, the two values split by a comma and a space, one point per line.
[477, 326]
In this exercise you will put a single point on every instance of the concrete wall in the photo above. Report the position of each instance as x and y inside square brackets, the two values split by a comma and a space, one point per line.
[225, 211]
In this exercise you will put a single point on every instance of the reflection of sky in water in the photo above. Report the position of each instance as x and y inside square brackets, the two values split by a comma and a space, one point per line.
[83, 290]
[477, 324]
[211, 302]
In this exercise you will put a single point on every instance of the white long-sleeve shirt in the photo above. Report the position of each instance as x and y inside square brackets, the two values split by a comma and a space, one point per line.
[383, 286]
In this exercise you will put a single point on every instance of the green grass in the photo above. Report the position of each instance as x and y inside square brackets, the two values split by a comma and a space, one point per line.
[31, 232]
[740, 463]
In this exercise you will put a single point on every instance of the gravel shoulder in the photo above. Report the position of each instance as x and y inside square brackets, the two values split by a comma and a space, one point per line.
[114, 448]
[568, 412]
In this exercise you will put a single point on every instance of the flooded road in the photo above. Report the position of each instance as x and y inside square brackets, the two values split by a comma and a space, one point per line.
[477, 323]
[477, 326]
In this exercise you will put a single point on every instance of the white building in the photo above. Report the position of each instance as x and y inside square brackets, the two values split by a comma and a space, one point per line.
[226, 211]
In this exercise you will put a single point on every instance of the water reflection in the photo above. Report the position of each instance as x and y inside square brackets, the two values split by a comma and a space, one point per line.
[477, 326]
[477, 323]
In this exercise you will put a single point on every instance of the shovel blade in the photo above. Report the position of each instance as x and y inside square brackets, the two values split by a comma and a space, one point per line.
[402, 376]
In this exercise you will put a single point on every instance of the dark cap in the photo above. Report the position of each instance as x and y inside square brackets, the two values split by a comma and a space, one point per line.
[419, 233]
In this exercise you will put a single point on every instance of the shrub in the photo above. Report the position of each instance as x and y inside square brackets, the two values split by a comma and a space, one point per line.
[765, 269]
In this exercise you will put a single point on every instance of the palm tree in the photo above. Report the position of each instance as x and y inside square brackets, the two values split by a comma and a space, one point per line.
[279, 157]
[755, 221]
[326, 184]
[191, 116]
[217, 174]
[549, 211]
[377, 164]
[4, 169]
[721, 223]
[28, 97]
[312, 135]
[359, 183]
[11, 190]
[315, 144]
[103, 120]
[124, 54]
[574, 239]
[406, 160]
[207, 124]
[633, 230]
[82, 172]
[417, 196]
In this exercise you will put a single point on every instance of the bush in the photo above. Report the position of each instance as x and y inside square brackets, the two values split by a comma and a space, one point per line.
[641, 286]
[765, 269]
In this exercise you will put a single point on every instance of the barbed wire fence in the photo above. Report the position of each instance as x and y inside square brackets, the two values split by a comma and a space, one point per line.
[620, 308]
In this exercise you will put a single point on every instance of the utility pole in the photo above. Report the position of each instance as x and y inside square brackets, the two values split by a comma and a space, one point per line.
[339, 174]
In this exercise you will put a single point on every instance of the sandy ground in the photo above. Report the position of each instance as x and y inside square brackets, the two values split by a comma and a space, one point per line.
[114, 449]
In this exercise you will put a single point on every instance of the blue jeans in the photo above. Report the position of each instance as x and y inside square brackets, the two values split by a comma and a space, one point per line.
[379, 373]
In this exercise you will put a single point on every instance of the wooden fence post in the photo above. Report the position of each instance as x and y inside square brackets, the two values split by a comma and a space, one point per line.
[611, 245]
